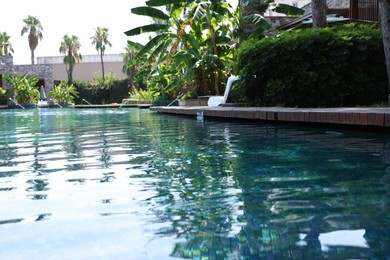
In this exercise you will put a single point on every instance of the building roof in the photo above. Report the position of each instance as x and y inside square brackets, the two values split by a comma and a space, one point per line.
[95, 58]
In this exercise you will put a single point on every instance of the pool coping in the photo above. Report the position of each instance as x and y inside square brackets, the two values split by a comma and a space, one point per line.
[114, 106]
[361, 117]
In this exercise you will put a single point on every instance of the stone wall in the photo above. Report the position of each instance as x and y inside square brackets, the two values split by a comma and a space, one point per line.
[246, 9]
[338, 4]
[42, 71]
[277, 21]
[6, 67]
[331, 4]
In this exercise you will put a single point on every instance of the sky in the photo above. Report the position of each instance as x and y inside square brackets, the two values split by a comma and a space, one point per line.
[72, 17]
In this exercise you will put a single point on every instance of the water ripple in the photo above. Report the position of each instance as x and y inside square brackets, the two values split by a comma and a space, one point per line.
[115, 178]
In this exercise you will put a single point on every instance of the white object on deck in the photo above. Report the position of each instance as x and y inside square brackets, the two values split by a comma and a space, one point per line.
[218, 100]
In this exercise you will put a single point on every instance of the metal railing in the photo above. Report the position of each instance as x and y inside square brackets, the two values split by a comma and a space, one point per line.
[176, 99]
[84, 100]
[16, 103]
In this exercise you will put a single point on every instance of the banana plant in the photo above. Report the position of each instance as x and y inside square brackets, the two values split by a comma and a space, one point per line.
[201, 26]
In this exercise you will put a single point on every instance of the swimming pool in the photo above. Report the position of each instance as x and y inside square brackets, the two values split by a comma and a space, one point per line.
[131, 184]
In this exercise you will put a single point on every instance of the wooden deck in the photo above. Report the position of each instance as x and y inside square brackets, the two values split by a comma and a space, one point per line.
[359, 117]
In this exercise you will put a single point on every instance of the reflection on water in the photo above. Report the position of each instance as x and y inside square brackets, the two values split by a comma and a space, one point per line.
[127, 183]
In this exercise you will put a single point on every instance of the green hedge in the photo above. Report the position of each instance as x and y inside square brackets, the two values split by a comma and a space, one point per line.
[95, 95]
[314, 68]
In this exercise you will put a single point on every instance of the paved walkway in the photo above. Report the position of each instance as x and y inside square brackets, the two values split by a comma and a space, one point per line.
[362, 117]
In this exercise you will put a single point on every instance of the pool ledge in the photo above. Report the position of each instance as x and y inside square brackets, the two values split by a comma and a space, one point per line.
[362, 117]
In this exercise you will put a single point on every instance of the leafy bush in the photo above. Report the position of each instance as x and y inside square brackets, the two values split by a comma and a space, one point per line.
[24, 88]
[143, 95]
[64, 93]
[314, 68]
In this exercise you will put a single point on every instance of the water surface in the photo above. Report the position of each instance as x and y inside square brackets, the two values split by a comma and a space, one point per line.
[131, 184]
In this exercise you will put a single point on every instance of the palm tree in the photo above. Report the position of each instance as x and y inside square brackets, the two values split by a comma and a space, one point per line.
[100, 40]
[5, 44]
[34, 27]
[70, 46]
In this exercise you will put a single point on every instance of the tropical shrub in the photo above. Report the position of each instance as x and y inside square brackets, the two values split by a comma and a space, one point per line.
[101, 85]
[314, 68]
[114, 92]
[64, 93]
[143, 95]
[24, 88]
[3, 96]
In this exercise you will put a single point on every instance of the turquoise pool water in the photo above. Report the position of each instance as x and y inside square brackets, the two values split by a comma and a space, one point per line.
[131, 184]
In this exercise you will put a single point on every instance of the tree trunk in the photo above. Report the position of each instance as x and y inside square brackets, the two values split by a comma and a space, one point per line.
[70, 76]
[101, 60]
[319, 13]
[384, 10]
[70, 71]
[32, 57]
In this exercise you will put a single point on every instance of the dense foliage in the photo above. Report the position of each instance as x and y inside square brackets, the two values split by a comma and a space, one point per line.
[191, 49]
[314, 68]
[115, 92]
[193, 43]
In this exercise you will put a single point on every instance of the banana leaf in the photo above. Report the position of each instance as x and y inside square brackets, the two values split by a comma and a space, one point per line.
[150, 12]
[164, 2]
[289, 10]
[146, 29]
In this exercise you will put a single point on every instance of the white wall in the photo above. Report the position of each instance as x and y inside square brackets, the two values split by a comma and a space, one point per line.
[88, 67]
